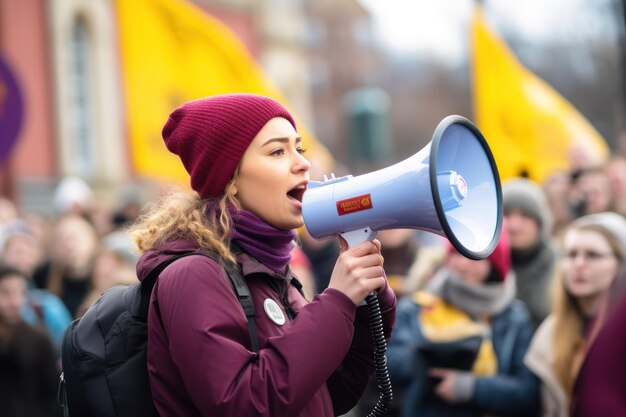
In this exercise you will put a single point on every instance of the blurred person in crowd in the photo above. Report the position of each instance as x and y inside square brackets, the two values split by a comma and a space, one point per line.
[601, 383]
[593, 251]
[533, 252]
[400, 249]
[41, 228]
[21, 249]
[591, 192]
[130, 202]
[428, 262]
[302, 268]
[314, 359]
[458, 345]
[616, 171]
[73, 195]
[110, 268]
[8, 211]
[101, 217]
[19, 244]
[29, 372]
[119, 240]
[557, 189]
[121, 218]
[67, 273]
[323, 255]
[580, 159]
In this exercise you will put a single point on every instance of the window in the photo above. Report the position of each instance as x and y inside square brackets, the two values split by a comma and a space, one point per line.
[80, 103]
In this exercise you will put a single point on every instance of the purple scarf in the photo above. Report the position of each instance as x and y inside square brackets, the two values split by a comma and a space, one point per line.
[269, 245]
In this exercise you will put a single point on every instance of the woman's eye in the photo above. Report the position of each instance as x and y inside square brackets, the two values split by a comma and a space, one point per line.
[301, 150]
[278, 152]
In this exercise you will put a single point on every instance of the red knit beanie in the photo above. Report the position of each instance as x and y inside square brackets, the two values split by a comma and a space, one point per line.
[500, 258]
[211, 134]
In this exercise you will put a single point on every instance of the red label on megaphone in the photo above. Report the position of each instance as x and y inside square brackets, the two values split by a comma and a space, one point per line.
[354, 204]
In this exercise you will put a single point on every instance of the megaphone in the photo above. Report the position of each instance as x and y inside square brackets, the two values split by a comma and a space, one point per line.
[451, 187]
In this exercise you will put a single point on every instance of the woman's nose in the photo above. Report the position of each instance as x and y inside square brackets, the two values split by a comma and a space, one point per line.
[301, 163]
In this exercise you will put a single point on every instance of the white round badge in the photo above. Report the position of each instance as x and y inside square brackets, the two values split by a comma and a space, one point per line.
[273, 311]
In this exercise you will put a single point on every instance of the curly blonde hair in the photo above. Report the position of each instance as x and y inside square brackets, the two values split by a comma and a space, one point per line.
[184, 215]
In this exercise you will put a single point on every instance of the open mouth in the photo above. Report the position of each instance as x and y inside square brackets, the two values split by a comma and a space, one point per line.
[297, 192]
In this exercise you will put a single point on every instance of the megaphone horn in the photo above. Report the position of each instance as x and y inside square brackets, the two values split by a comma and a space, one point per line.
[451, 187]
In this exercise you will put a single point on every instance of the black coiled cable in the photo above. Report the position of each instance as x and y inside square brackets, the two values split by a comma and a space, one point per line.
[380, 360]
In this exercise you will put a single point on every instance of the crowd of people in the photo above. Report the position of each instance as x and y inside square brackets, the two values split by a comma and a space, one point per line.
[535, 329]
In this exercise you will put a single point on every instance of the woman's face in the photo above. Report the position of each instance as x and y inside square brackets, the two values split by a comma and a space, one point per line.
[273, 175]
[523, 230]
[588, 263]
[75, 243]
[12, 298]
[23, 252]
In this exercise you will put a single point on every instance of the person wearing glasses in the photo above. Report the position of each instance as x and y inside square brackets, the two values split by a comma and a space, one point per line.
[585, 287]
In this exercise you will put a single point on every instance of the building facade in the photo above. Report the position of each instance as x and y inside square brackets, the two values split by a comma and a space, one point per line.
[65, 55]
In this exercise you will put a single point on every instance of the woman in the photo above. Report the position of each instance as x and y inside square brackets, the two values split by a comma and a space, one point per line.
[68, 271]
[246, 167]
[600, 385]
[458, 345]
[594, 249]
[28, 360]
[42, 309]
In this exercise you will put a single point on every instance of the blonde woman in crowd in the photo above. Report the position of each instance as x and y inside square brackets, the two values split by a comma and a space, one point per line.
[593, 253]
[68, 271]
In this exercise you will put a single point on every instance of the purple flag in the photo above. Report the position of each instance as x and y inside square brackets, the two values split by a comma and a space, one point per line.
[11, 110]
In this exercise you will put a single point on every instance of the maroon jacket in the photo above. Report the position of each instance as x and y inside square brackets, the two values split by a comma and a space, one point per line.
[600, 389]
[199, 355]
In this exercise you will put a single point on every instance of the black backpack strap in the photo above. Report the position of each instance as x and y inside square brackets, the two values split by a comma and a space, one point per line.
[148, 283]
[233, 270]
[245, 298]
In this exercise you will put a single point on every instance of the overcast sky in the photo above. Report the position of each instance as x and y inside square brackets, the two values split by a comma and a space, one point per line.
[439, 27]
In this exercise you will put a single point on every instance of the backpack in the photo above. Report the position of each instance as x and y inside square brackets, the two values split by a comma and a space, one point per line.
[104, 353]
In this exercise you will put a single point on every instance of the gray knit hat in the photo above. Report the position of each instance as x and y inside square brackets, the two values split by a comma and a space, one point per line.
[528, 197]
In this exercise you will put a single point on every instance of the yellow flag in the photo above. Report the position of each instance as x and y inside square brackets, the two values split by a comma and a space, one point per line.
[529, 127]
[173, 52]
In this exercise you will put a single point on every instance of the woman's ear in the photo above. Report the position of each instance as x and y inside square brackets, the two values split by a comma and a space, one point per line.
[231, 188]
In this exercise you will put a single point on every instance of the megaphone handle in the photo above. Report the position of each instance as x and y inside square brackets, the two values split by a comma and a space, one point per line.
[355, 237]
[381, 407]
